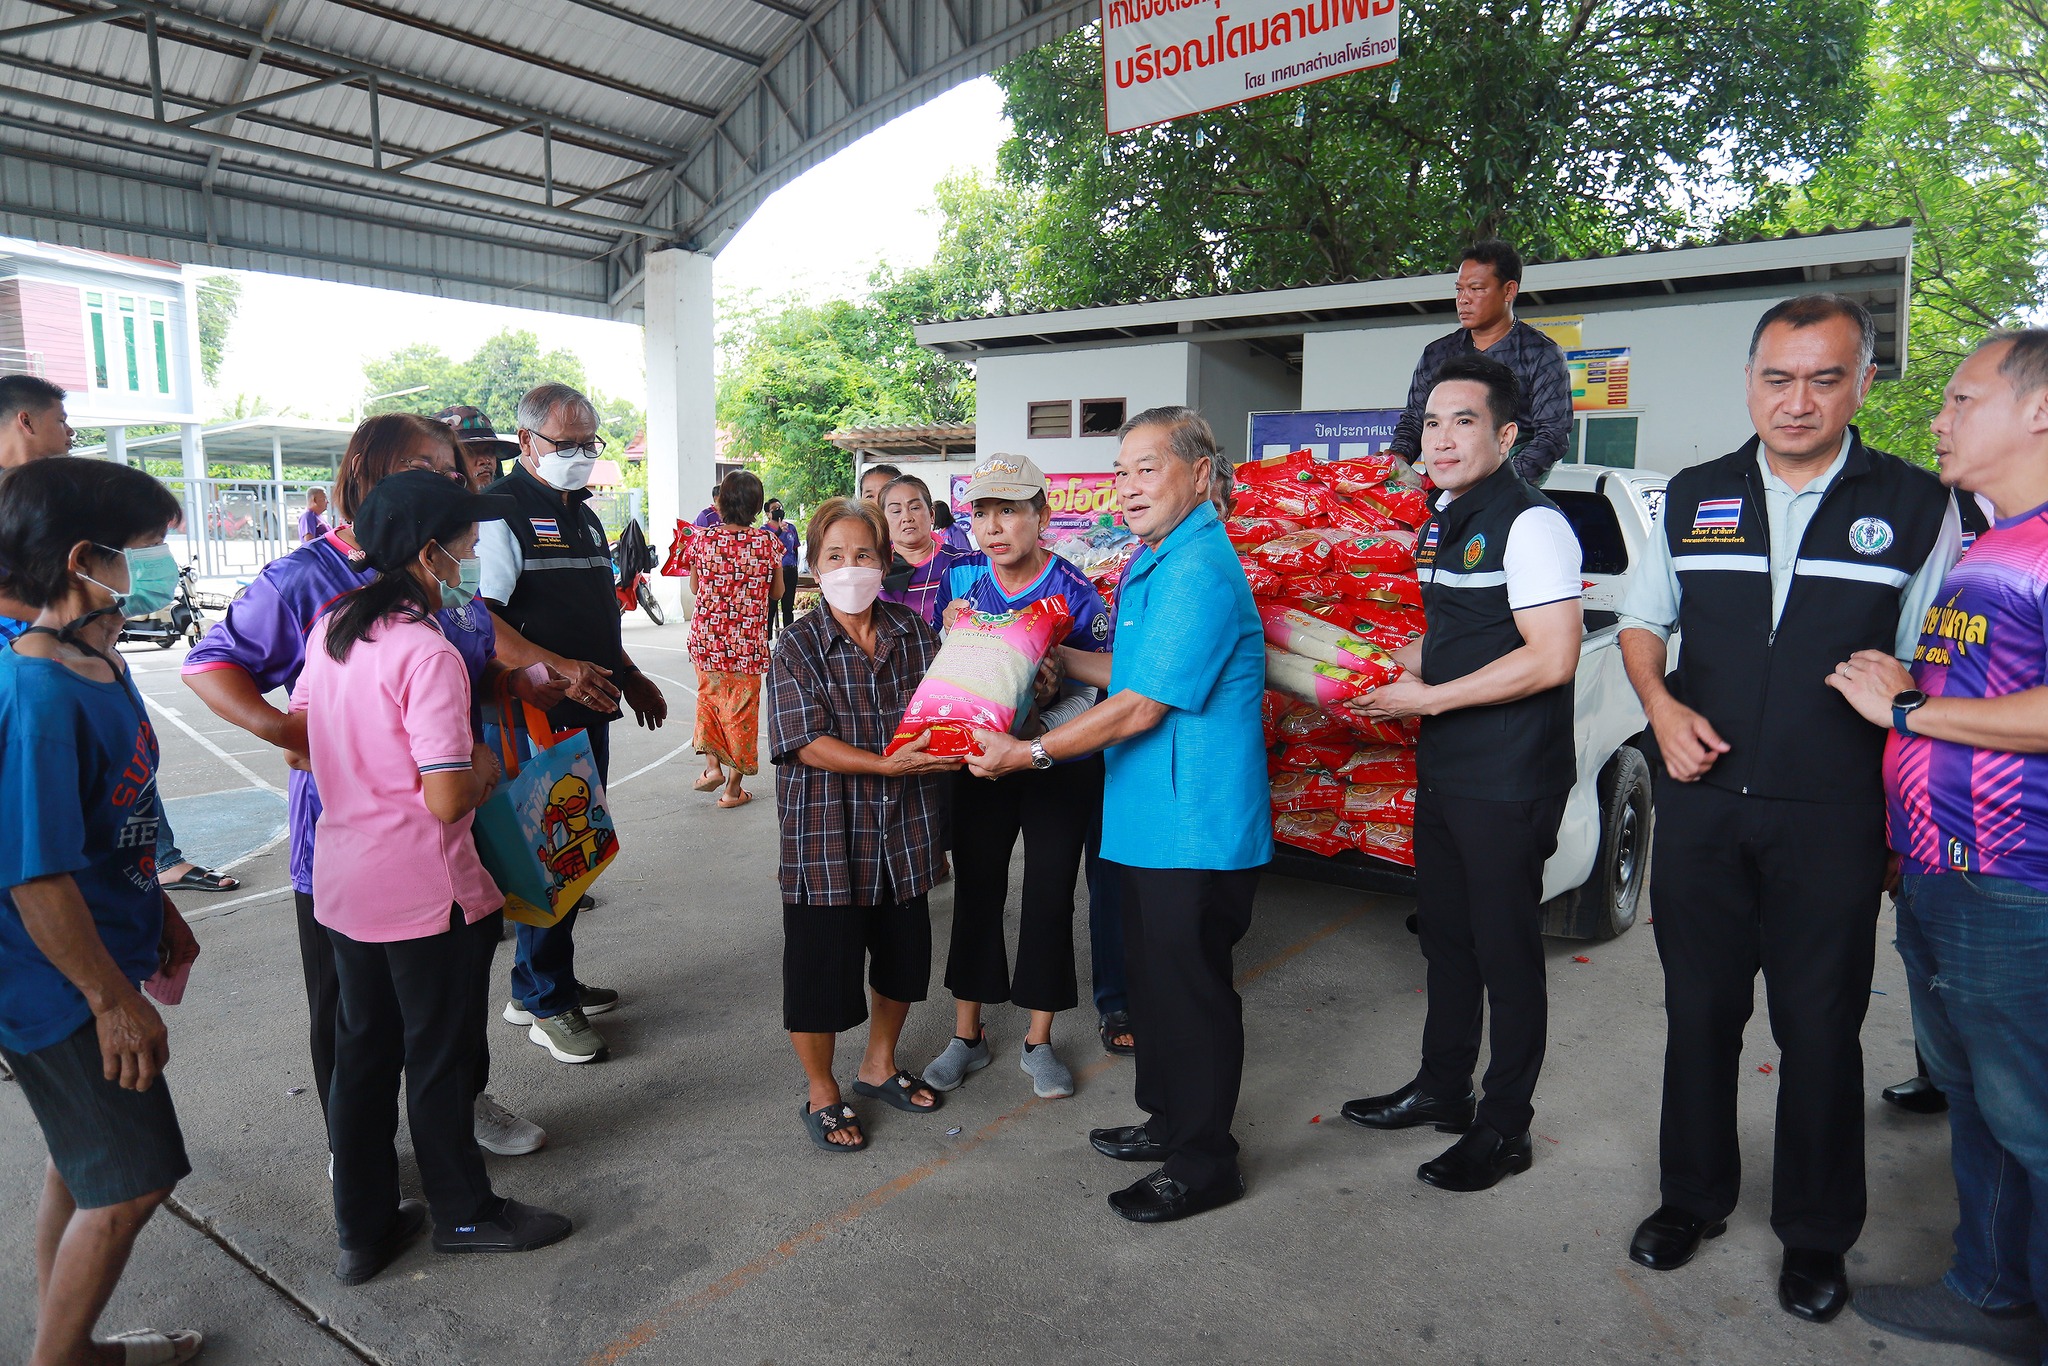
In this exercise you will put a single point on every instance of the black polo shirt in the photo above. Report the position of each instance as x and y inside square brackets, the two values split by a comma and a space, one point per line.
[561, 596]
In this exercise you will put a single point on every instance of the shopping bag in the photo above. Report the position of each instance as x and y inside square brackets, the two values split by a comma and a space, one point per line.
[547, 832]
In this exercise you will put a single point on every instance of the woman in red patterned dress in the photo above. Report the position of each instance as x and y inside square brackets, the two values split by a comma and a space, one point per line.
[735, 571]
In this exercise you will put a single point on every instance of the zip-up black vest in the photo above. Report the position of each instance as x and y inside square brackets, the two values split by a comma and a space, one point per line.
[1510, 751]
[1765, 690]
[564, 600]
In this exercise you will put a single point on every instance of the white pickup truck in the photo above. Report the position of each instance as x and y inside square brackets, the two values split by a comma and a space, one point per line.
[1594, 882]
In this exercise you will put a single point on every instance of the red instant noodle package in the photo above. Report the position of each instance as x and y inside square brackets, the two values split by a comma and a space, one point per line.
[1405, 505]
[1300, 552]
[1265, 582]
[1295, 467]
[1350, 518]
[1304, 758]
[1381, 732]
[1272, 707]
[1386, 803]
[1295, 502]
[1319, 832]
[1246, 532]
[1308, 792]
[981, 677]
[1363, 473]
[1396, 843]
[1373, 586]
[1303, 724]
[1375, 764]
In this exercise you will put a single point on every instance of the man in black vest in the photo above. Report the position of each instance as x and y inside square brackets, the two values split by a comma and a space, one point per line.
[1774, 564]
[1492, 681]
[547, 575]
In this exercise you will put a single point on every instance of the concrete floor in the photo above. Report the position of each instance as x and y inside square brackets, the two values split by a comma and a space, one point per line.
[709, 1230]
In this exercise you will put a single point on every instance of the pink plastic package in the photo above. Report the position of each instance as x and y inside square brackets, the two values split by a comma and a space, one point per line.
[1325, 685]
[1298, 633]
[981, 677]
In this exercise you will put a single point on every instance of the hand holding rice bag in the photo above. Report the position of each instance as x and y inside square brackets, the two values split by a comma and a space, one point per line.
[1324, 685]
[982, 676]
[1307, 792]
[1301, 634]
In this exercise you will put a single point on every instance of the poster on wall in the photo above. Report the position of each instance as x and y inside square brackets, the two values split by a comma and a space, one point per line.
[1599, 379]
[1564, 331]
[1335, 434]
[1162, 59]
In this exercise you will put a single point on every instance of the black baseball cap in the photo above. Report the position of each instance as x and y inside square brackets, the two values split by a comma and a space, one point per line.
[475, 431]
[406, 510]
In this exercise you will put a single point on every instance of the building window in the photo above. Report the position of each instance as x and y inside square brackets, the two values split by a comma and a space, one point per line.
[96, 319]
[1101, 416]
[1607, 441]
[1051, 419]
[163, 352]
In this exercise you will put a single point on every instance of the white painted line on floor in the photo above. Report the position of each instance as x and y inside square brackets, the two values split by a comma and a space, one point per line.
[214, 908]
[215, 750]
[616, 784]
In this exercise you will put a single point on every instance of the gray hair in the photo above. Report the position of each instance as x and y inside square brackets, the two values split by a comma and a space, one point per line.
[542, 400]
[1188, 436]
[2026, 365]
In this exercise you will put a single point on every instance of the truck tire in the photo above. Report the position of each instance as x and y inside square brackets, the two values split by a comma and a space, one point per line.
[1606, 906]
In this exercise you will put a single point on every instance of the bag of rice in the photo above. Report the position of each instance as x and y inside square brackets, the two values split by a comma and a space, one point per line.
[1307, 792]
[1246, 532]
[981, 678]
[1324, 685]
[1378, 764]
[1299, 633]
[1376, 552]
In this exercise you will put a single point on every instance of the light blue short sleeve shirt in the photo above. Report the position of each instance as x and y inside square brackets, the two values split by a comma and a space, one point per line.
[1192, 791]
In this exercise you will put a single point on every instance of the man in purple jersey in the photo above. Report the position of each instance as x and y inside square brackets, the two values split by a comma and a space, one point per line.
[1966, 790]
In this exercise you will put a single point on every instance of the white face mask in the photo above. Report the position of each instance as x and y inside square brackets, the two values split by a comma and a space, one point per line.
[568, 468]
[852, 589]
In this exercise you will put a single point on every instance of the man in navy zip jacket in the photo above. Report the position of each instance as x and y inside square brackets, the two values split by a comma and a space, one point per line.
[1774, 563]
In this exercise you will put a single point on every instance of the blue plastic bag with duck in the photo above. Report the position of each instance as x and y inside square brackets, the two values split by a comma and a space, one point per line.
[547, 832]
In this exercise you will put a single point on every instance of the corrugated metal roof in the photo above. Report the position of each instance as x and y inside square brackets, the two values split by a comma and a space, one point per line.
[517, 151]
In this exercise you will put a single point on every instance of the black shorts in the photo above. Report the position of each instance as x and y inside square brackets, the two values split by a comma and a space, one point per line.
[109, 1145]
[822, 951]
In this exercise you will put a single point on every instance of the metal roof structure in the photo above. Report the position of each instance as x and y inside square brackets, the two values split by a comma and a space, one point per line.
[905, 442]
[524, 152]
[250, 441]
[1873, 265]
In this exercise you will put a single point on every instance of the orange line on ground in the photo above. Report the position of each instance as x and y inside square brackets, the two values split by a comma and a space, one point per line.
[736, 1279]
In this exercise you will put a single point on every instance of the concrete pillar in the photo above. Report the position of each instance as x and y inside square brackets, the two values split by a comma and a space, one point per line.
[117, 445]
[681, 420]
[192, 454]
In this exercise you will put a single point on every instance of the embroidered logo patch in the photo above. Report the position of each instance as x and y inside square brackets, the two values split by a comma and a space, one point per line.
[1475, 550]
[546, 531]
[1958, 855]
[1870, 535]
[1718, 514]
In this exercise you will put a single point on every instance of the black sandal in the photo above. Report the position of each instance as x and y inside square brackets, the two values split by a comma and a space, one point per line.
[896, 1091]
[1115, 1023]
[822, 1124]
[197, 879]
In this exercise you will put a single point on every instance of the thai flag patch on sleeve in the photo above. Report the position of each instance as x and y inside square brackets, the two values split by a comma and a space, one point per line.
[1718, 514]
[1429, 538]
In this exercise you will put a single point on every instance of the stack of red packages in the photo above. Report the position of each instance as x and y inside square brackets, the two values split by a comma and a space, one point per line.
[1329, 550]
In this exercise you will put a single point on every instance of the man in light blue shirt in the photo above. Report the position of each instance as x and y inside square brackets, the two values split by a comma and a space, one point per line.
[1186, 811]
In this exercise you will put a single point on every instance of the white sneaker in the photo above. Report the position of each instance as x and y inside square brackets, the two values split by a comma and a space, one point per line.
[500, 1131]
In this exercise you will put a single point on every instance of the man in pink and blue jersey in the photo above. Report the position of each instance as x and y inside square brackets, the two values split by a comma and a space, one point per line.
[1966, 791]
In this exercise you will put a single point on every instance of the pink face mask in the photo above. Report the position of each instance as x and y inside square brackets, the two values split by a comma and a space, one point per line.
[852, 590]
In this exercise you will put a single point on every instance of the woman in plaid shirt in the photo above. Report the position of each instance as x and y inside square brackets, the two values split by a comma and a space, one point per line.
[863, 834]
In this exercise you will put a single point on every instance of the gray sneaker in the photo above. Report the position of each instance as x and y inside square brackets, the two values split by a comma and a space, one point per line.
[1051, 1079]
[950, 1068]
[1935, 1313]
[500, 1131]
[568, 1037]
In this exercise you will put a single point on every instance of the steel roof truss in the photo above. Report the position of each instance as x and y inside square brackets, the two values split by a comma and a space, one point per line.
[681, 35]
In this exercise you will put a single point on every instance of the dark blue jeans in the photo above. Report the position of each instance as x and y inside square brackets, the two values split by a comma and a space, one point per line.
[1106, 927]
[1976, 955]
[544, 958]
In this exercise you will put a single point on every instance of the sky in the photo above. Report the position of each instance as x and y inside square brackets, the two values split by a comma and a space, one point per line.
[299, 345]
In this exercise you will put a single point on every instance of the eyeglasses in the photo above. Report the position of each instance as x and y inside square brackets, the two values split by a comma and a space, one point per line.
[594, 447]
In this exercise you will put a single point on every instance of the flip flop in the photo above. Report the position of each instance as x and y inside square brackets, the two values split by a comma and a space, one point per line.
[822, 1124]
[706, 784]
[896, 1091]
[1115, 1023]
[745, 797]
[148, 1347]
[206, 880]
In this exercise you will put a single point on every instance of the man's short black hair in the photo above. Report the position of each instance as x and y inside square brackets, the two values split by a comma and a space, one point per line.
[26, 394]
[49, 506]
[2026, 365]
[1491, 251]
[1809, 309]
[889, 470]
[1503, 390]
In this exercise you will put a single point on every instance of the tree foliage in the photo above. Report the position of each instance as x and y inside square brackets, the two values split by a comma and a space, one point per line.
[1568, 128]
[220, 299]
[491, 381]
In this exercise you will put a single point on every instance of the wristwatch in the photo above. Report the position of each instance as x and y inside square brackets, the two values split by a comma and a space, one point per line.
[1905, 704]
[1039, 758]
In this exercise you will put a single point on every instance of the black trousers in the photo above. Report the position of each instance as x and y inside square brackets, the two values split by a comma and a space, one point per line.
[1478, 890]
[1180, 925]
[1744, 883]
[323, 1002]
[784, 606]
[1053, 809]
[414, 1006]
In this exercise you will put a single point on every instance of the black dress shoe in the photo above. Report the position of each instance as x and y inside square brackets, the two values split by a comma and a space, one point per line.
[1127, 1144]
[516, 1228]
[1408, 1107]
[360, 1264]
[1480, 1160]
[1671, 1237]
[1918, 1095]
[1159, 1199]
[1813, 1285]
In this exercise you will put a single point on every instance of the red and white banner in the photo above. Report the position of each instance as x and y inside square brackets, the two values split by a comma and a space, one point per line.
[1162, 59]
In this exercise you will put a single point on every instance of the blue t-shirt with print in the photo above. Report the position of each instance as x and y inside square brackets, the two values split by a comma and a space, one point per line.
[974, 579]
[78, 765]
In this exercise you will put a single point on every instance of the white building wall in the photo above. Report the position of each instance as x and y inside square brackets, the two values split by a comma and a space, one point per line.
[1143, 376]
[1685, 372]
[1235, 382]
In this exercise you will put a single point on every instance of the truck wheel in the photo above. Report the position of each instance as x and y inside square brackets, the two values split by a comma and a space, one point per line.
[1606, 906]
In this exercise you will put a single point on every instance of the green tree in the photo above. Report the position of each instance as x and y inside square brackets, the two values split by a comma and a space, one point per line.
[220, 299]
[1568, 128]
[492, 381]
[446, 381]
[1953, 143]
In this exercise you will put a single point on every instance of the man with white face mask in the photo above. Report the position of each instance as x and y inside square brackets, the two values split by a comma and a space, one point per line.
[547, 576]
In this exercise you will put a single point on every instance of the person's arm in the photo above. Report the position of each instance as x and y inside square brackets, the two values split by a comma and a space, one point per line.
[452, 792]
[1550, 413]
[834, 755]
[650, 708]
[231, 694]
[1923, 590]
[589, 684]
[1547, 658]
[1686, 739]
[457, 774]
[2016, 723]
[1409, 656]
[1088, 667]
[133, 1044]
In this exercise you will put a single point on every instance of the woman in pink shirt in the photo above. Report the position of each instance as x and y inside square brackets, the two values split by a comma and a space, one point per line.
[412, 915]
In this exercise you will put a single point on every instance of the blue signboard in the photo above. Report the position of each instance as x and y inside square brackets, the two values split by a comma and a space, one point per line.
[1333, 435]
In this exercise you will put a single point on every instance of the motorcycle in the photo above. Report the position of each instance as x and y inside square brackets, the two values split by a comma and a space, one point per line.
[182, 620]
[632, 562]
